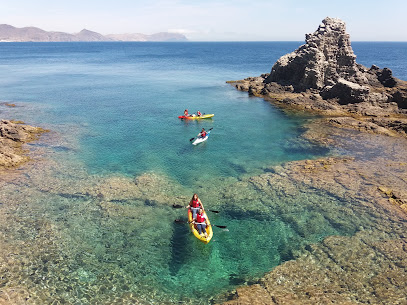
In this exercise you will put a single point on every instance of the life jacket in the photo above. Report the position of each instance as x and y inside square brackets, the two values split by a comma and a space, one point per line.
[199, 113]
[203, 134]
[195, 204]
[200, 218]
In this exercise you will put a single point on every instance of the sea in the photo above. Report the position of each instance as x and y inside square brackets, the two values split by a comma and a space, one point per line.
[112, 110]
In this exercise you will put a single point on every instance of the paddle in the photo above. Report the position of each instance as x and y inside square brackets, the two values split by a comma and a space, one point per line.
[183, 221]
[178, 206]
[198, 135]
[222, 227]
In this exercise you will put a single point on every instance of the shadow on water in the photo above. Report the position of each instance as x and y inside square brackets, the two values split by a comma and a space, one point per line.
[179, 244]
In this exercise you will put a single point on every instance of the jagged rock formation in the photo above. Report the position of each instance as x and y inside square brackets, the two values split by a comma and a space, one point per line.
[12, 136]
[12, 34]
[322, 75]
[326, 57]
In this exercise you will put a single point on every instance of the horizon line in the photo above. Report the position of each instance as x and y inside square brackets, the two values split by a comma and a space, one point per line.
[188, 41]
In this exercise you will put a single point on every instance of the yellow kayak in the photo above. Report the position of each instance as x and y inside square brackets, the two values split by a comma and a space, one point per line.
[195, 231]
[195, 117]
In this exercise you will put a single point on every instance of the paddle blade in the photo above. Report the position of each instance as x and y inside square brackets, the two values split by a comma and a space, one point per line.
[222, 227]
[179, 221]
[191, 139]
[177, 206]
[213, 211]
[210, 129]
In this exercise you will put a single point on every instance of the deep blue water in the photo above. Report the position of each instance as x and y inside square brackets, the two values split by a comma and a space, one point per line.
[391, 55]
[121, 101]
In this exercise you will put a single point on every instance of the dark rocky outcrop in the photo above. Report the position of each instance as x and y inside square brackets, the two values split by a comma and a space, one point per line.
[326, 57]
[323, 76]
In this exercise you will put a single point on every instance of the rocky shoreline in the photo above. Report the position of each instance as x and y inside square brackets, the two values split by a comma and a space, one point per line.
[322, 77]
[370, 266]
[13, 135]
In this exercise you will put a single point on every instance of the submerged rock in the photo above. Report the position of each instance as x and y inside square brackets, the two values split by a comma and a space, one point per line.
[365, 266]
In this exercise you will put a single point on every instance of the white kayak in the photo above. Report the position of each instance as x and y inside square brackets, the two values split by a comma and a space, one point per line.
[200, 139]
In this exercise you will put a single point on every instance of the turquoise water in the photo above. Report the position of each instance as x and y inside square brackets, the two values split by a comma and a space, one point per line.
[129, 97]
[115, 106]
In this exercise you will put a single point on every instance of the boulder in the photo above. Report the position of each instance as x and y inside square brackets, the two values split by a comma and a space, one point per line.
[385, 77]
[400, 97]
[346, 92]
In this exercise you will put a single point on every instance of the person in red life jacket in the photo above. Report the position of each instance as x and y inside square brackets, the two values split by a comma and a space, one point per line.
[195, 204]
[201, 223]
[198, 113]
[186, 113]
[203, 133]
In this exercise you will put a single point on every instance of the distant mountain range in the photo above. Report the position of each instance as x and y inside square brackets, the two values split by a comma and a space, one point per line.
[12, 34]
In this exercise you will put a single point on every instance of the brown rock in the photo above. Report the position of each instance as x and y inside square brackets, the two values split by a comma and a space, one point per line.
[12, 136]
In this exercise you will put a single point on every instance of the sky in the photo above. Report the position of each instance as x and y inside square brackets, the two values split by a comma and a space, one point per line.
[212, 20]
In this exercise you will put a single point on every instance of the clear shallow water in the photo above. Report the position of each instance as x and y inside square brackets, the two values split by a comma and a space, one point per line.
[121, 102]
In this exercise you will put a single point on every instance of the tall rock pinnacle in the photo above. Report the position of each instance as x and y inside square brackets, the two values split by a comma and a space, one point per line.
[326, 57]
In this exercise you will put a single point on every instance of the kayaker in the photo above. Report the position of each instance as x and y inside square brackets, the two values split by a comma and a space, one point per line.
[203, 133]
[195, 204]
[186, 112]
[198, 113]
[201, 223]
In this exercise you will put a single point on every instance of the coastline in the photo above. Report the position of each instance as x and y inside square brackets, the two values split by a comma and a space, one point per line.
[364, 117]
[375, 183]
[380, 118]
[344, 269]
[13, 136]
